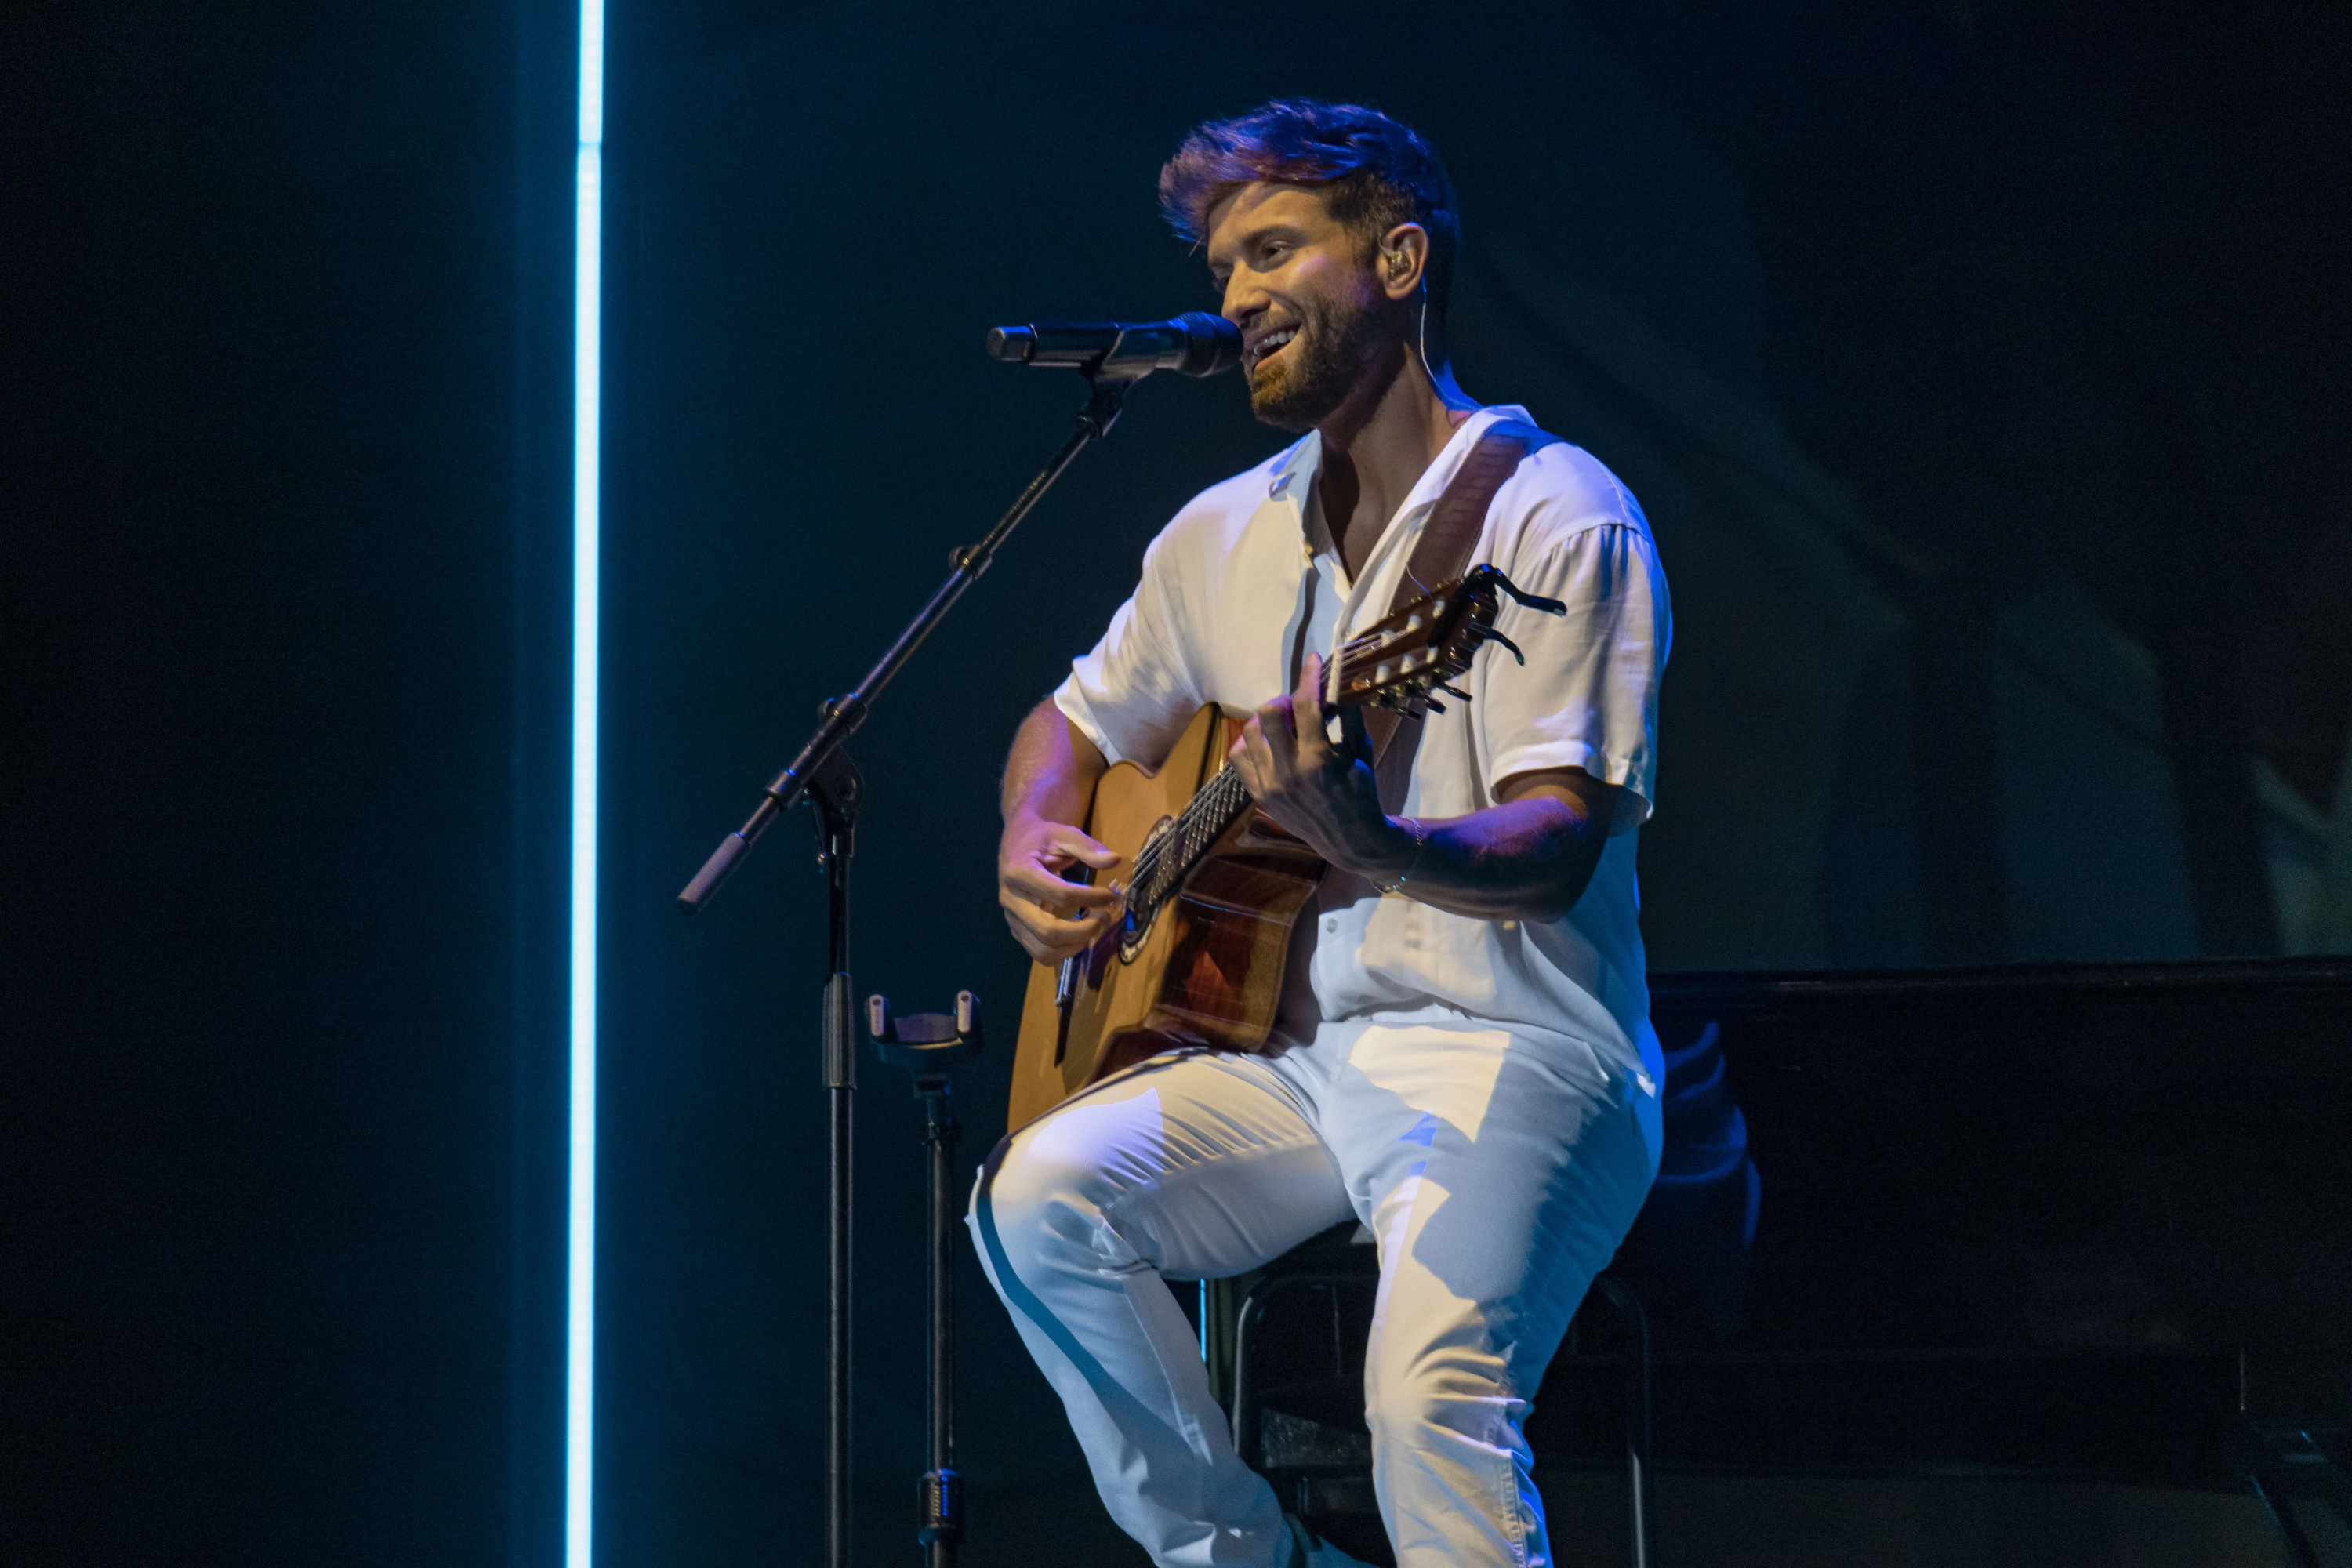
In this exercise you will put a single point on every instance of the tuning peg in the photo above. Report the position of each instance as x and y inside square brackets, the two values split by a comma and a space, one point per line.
[1532, 601]
[1454, 691]
[1488, 633]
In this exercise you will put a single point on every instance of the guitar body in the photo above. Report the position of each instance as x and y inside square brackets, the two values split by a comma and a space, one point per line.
[1206, 971]
[1214, 886]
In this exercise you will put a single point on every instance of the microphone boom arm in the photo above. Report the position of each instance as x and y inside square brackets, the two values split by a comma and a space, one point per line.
[1107, 387]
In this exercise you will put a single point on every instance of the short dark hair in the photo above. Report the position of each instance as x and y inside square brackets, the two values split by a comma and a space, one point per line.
[1374, 172]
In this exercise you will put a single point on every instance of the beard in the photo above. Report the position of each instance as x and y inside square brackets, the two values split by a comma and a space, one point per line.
[1337, 343]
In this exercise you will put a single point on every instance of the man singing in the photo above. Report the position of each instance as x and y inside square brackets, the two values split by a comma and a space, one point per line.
[1464, 1060]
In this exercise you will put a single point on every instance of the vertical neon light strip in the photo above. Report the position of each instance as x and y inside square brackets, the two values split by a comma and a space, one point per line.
[580, 1349]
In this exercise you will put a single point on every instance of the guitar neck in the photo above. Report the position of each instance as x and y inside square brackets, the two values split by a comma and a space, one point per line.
[1397, 662]
[1162, 868]
[1168, 859]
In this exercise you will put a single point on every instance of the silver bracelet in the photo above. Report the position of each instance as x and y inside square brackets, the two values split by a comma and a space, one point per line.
[1420, 831]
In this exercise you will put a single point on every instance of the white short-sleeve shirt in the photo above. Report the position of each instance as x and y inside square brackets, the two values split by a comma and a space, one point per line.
[1244, 579]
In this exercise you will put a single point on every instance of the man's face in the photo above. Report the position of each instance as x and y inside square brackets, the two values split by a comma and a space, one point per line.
[1313, 318]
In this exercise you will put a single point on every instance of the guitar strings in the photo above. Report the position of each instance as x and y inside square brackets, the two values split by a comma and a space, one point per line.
[1203, 821]
[1201, 824]
[1190, 835]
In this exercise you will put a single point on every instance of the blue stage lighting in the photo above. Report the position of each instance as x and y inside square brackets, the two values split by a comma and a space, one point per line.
[580, 1350]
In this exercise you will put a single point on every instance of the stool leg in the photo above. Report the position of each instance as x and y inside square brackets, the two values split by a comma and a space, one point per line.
[1640, 1491]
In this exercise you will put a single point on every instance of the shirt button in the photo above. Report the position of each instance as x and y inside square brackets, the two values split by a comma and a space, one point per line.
[1330, 922]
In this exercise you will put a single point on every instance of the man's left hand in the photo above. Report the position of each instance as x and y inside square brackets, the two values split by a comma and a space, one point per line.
[1324, 794]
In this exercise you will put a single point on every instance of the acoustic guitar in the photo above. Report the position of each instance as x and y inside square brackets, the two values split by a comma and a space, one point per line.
[1214, 885]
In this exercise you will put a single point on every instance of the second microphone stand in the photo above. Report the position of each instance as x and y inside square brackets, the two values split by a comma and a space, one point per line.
[929, 1046]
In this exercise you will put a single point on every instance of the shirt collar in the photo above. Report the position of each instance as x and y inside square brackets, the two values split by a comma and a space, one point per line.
[1294, 469]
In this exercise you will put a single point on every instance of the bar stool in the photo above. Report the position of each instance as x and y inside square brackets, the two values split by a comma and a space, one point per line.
[1686, 1256]
[1329, 1462]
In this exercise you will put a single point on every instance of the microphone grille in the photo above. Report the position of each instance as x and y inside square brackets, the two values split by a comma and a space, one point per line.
[1211, 343]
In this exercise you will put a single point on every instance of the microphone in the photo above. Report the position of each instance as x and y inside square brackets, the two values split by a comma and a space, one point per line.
[1195, 343]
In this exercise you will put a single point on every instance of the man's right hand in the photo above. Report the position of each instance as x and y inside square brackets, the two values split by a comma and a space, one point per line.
[1038, 902]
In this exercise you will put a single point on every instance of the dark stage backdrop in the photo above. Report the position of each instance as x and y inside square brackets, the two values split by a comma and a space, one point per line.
[281, 425]
[1978, 369]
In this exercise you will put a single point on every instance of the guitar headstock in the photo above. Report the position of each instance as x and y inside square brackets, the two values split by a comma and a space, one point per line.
[1401, 660]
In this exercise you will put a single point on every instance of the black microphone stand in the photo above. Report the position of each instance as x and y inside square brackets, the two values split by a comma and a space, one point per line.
[824, 774]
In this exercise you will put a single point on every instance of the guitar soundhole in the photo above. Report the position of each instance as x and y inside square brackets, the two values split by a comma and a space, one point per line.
[1131, 934]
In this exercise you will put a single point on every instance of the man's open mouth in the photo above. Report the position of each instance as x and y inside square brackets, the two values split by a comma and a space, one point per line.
[1269, 346]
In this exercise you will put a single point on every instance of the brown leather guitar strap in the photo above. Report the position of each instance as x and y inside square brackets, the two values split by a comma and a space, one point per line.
[1442, 553]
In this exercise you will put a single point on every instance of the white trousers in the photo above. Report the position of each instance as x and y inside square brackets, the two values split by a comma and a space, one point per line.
[1497, 1171]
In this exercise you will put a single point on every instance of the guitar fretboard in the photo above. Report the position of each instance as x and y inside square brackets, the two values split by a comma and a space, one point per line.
[1163, 867]
[1396, 662]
